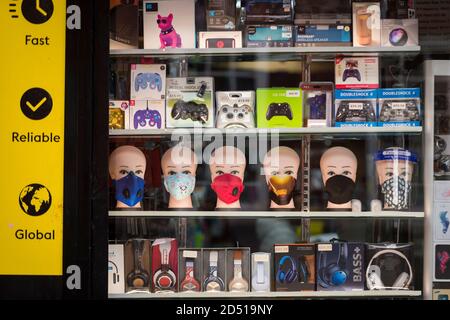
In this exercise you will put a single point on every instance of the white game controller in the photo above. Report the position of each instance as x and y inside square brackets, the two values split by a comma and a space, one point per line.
[236, 109]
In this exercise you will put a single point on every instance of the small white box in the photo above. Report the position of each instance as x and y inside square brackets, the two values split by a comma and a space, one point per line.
[116, 278]
[442, 190]
[148, 114]
[441, 221]
[148, 82]
[220, 39]
[119, 114]
[356, 73]
[399, 32]
[366, 24]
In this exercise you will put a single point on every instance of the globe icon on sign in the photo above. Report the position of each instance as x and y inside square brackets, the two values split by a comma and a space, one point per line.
[35, 199]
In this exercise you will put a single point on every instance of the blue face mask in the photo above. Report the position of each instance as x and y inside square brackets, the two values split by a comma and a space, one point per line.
[130, 189]
[180, 185]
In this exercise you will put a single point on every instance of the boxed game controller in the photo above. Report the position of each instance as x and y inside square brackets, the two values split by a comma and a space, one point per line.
[190, 270]
[221, 15]
[317, 103]
[356, 73]
[119, 114]
[147, 114]
[164, 264]
[268, 36]
[220, 39]
[279, 108]
[235, 109]
[399, 32]
[238, 269]
[267, 11]
[355, 108]
[399, 107]
[214, 270]
[340, 266]
[190, 102]
[148, 82]
[124, 24]
[309, 35]
[116, 281]
[294, 267]
[366, 24]
[137, 265]
[169, 24]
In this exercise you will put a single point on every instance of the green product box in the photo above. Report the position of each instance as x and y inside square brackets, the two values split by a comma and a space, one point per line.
[279, 108]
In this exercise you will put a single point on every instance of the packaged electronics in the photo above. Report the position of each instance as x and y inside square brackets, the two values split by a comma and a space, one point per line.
[317, 103]
[190, 270]
[148, 82]
[214, 270]
[399, 33]
[442, 159]
[261, 274]
[279, 108]
[340, 266]
[267, 11]
[235, 109]
[164, 264]
[147, 114]
[124, 24]
[190, 102]
[294, 267]
[323, 12]
[397, 9]
[355, 108]
[309, 35]
[221, 15]
[389, 266]
[137, 265]
[366, 24]
[119, 114]
[116, 280]
[238, 269]
[220, 39]
[399, 107]
[356, 73]
[268, 36]
[442, 262]
[169, 24]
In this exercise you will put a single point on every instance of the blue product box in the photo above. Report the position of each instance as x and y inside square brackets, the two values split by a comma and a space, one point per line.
[355, 108]
[322, 35]
[399, 107]
[268, 36]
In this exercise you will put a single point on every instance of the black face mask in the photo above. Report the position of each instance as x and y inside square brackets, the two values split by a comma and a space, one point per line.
[340, 189]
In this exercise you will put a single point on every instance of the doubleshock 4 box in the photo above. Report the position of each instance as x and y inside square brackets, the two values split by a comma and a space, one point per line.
[355, 108]
[148, 82]
[221, 15]
[147, 114]
[279, 108]
[119, 114]
[309, 35]
[268, 36]
[340, 266]
[356, 73]
[399, 107]
[220, 39]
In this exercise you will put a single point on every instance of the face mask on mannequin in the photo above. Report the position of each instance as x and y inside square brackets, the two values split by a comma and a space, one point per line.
[340, 189]
[228, 187]
[130, 189]
[281, 189]
[396, 192]
[180, 185]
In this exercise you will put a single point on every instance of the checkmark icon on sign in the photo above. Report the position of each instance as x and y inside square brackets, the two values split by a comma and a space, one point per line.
[34, 108]
[36, 103]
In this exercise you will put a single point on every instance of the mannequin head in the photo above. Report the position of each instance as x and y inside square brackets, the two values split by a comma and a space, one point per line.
[127, 165]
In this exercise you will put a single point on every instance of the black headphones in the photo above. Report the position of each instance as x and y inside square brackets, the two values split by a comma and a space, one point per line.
[333, 274]
[138, 277]
[115, 273]
[303, 272]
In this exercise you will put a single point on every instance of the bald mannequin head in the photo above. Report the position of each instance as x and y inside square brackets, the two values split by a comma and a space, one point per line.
[338, 161]
[179, 160]
[281, 161]
[227, 159]
[126, 159]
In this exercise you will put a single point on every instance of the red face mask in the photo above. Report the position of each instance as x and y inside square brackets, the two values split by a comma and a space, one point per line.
[228, 187]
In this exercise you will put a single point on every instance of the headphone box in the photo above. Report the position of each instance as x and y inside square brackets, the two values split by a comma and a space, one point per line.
[220, 39]
[195, 94]
[355, 108]
[214, 270]
[148, 82]
[238, 269]
[190, 270]
[261, 271]
[366, 24]
[164, 264]
[399, 32]
[317, 103]
[399, 107]
[147, 114]
[261, 36]
[137, 265]
[116, 280]
[119, 114]
[221, 15]
[340, 266]
[356, 73]
[294, 267]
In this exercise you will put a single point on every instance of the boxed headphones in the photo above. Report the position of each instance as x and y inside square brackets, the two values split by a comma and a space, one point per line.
[214, 270]
[119, 114]
[355, 108]
[190, 270]
[389, 266]
[340, 266]
[164, 264]
[220, 39]
[137, 265]
[116, 280]
[238, 269]
[399, 32]
[148, 82]
[356, 73]
[317, 103]
[399, 107]
[261, 272]
[235, 109]
[267, 11]
[261, 36]
[294, 267]
[221, 15]
[147, 114]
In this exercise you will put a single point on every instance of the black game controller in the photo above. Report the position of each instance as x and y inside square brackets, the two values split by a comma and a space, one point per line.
[353, 111]
[399, 111]
[279, 109]
[190, 110]
[351, 73]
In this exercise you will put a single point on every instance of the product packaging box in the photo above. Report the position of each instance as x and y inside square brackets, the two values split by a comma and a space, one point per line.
[146, 114]
[340, 266]
[220, 39]
[366, 24]
[148, 82]
[399, 32]
[261, 272]
[169, 24]
[116, 279]
[399, 107]
[355, 108]
[312, 35]
[190, 263]
[441, 262]
[124, 24]
[356, 73]
[267, 11]
[235, 109]
[294, 267]
[261, 36]
[214, 270]
[441, 221]
[119, 114]
[389, 266]
[317, 103]
[190, 102]
[441, 294]
[238, 269]
[279, 108]
[137, 265]
[164, 265]
[221, 15]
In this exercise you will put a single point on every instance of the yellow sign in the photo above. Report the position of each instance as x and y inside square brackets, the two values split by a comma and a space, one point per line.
[32, 58]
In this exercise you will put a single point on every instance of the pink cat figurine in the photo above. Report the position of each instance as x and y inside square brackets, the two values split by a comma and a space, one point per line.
[168, 36]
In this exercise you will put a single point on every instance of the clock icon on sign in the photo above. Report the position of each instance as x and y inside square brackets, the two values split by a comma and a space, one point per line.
[37, 11]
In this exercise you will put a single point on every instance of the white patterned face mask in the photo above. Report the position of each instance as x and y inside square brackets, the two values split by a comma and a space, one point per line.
[396, 193]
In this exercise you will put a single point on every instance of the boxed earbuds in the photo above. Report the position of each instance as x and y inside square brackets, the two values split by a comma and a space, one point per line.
[137, 265]
[116, 281]
[317, 103]
[164, 265]
[399, 32]
[261, 272]
[238, 269]
[190, 263]
[214, 270]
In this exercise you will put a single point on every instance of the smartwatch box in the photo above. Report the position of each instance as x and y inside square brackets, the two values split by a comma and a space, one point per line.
[399, 32]
[124, 24]
[164, 265]
[220, 39]
[137, 265]
[366, 24]
[147, 114]
[356, 73]
[119, 114]
[267, 11]
[355, 108]
[214, 270]
[169, 24]
[190, 102]
[294, 267]
[148, 82]
[340, 266]
[315, 35]
[261, 36]
[190, 270]
[279, 108]
[317, 103]
[238, 269]
[261, 272]
[399, 107]
[116, 279]
[221, 15]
